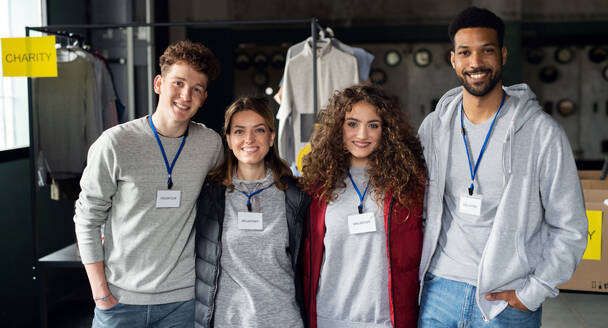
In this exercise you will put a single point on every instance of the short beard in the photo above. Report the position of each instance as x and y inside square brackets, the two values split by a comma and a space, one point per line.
[481, 92]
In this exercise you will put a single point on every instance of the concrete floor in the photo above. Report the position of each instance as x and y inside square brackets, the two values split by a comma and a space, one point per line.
[573, 310]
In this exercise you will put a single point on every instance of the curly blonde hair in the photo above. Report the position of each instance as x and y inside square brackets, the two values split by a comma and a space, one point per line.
[397, 164]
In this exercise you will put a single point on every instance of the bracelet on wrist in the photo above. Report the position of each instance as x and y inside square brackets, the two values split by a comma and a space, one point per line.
[103, 299]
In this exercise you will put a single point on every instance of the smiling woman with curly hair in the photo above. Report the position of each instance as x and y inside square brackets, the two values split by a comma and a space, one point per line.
[366, 174]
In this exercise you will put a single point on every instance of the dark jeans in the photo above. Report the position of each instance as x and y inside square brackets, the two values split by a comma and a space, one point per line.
[178, 315]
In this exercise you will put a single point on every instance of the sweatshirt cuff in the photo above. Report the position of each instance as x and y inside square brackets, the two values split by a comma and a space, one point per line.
[534, 292]
[91, 253]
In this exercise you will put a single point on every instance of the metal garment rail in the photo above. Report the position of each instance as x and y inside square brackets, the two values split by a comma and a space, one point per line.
[37, 272]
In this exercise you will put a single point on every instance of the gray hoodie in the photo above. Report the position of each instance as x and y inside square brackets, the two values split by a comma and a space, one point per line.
[539, 233]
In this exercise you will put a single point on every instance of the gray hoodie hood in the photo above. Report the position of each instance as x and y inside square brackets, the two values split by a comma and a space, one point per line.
[525, 105]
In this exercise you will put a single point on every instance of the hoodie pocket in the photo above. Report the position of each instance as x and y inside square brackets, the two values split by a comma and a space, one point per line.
[430, 278]
[504, 261]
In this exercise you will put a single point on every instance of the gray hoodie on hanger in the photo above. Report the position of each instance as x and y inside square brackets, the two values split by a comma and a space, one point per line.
[539, 232]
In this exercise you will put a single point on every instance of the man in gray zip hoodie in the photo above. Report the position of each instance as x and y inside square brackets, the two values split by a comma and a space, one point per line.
[504, 213]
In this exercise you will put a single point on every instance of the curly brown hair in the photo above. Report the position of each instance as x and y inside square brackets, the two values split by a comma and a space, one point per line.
[397, 164]
[194, 54]
[223, 174]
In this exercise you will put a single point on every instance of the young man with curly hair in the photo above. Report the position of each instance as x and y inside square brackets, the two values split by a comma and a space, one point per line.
[505, 219]
[141, 182]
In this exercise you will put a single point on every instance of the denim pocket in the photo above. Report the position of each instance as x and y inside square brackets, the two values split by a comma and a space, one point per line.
[430, 278]
[512, 317]
[110, 308]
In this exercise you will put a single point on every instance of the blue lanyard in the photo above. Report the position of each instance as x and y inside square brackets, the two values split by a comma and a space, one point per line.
[162, 150]
[361, 197]
[251, 195]
[483, 147]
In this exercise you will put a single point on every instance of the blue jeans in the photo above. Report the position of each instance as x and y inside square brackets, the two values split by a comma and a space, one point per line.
[178, 315]
[448, 303]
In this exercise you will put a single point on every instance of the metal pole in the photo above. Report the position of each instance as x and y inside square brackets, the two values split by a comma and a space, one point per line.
[131, 111]
[313, 32]
[150, 47]
[204, 24]
[33, 207]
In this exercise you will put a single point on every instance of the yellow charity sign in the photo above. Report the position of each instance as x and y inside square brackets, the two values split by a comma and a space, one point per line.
[303, 152]
[594, 236]
[29, 56]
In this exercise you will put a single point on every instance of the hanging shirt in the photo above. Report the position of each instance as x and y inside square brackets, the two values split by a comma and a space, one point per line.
[364, 58]
[336, 70]
[105, 90]
[66, 117]
[463, 237]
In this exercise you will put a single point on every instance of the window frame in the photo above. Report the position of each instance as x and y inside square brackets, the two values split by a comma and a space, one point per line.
[17, 28]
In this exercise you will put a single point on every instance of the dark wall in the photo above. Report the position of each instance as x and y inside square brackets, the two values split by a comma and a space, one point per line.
[20, 288]
[16, 248]
[66, 12]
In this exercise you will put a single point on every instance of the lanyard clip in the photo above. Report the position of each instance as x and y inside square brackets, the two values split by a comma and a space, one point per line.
[249, 197]
[361, 197]
[471, 190]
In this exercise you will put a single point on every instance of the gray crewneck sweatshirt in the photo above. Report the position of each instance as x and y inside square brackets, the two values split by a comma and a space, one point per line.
[353, 285]
[256, 286]
[148, 252]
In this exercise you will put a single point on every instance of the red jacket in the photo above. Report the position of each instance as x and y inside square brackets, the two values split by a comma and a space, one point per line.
[404, 245]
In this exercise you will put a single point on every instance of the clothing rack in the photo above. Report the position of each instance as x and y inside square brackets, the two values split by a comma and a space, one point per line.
[70, 36]
[66, 256]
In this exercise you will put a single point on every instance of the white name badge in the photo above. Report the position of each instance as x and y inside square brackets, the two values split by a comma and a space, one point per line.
[250, 221]
[470, 204]
[361, 223]
[168, 198]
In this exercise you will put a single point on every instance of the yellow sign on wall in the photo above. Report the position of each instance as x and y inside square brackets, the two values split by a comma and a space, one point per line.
[29, 56]
[594, 236]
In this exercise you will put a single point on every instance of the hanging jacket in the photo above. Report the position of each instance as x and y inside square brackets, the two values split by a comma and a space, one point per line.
[540, 229]
[403, 228]
[208, 243]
